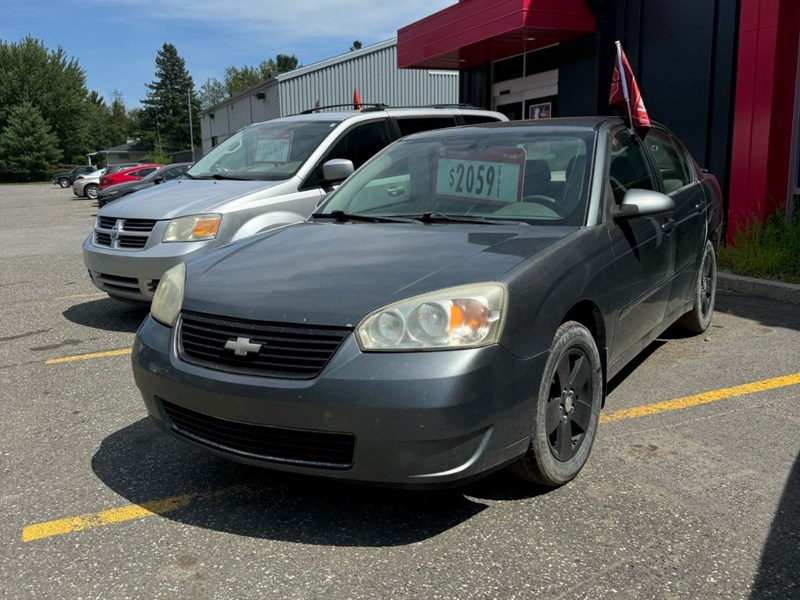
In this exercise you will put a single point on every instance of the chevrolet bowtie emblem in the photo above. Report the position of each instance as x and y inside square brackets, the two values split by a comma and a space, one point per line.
[242, 346]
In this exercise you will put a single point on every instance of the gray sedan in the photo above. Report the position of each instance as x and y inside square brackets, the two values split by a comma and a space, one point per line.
[455, 307]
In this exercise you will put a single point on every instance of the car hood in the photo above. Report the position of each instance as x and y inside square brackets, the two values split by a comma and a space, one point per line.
[337, 273]
[182, 197]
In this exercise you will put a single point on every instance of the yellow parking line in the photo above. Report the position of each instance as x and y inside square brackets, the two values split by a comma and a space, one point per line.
[125, 513]
[704, 398]
[66, 359]
[95, 295]
[159, 507]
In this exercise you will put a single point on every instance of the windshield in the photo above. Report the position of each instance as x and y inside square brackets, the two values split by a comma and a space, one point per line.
[270, 151]
[539, 177]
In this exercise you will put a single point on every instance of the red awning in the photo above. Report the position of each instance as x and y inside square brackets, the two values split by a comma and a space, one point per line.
[477, 31]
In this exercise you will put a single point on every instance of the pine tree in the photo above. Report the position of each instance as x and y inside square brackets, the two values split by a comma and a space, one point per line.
[165, 113]
[51, 82]
[28, 147]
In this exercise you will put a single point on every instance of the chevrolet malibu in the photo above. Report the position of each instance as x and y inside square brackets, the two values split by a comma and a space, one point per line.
[455, 307]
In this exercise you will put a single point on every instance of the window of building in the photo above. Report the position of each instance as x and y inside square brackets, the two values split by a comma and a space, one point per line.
[214, 141]
[542, 60]
[510, 68]
[629, 168]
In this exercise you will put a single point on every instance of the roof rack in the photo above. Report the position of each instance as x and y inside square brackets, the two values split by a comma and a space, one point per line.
[371, 105]
[455, 105]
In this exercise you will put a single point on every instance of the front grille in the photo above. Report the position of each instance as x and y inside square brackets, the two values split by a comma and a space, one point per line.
[280, 444]
[288, 351]
[116, 282]
[132, 235]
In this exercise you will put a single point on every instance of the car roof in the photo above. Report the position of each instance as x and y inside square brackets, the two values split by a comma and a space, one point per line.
[371, 113]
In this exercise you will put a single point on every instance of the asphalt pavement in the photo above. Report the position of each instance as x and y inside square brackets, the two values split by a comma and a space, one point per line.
[692, 489]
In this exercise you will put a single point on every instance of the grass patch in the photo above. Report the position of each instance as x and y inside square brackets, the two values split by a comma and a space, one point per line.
[769, 250]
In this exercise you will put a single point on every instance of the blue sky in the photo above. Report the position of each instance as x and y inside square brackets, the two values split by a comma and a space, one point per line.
[116, 41]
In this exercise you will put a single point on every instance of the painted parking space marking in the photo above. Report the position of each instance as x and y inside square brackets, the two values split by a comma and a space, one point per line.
[131, 512]
[76, 296]
[698, 399]
[91, 355]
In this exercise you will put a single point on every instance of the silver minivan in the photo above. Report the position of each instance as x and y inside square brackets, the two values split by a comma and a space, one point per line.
[266, 175]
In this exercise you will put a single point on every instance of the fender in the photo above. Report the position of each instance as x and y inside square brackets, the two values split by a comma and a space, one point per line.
[265, 222]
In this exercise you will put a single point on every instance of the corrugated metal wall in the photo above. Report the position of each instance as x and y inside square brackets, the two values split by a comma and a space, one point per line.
[372, 70]
[377, 78]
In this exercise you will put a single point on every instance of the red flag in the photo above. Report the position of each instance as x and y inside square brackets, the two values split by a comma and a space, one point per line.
[356, 100]
[625, 93]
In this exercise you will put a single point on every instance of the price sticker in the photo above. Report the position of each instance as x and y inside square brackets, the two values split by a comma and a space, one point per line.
[493, 174]
[274, 149]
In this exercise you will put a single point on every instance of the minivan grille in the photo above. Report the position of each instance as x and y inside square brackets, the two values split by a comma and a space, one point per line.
[133, 233]
[288, 351]
[313, 448]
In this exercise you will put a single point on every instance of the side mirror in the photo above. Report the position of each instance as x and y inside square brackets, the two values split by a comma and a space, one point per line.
[642, 203]
[337, 169]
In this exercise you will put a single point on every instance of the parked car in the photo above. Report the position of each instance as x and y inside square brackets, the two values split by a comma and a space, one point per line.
[65, 180]
[457, 305]
[88, 185]
[111, 169]
[160, 175]
[125, 175]
[265, 176]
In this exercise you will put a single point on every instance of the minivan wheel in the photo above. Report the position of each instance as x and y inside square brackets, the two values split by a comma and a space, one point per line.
[64, 182]
[699, 318]
[567, 409]
[91, 191]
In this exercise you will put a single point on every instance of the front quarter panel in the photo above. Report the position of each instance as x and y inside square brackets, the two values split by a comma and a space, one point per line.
[543, 290]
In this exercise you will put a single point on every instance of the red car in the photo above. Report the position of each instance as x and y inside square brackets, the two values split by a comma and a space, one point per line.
[125, 175]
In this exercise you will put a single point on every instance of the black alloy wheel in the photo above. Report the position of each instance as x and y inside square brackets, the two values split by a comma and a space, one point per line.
[704, 294]
[567, 409]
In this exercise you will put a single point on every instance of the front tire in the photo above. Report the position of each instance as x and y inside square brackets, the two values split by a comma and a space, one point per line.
[91, 191]
[567, 409]
[64, 183]
[699, 318]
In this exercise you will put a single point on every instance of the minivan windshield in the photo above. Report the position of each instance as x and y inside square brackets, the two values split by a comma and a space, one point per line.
[270, 151]
[540, 177]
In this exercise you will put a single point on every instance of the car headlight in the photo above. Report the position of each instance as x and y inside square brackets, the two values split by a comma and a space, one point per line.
[168, 299]
[460, 317]
[195, 228]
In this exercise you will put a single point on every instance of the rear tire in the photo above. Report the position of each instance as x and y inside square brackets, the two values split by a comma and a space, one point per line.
[64, 182]
[699, 318]
[567, 409]
[91, 191]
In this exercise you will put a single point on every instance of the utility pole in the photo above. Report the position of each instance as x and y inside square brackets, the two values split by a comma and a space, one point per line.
[191, 129]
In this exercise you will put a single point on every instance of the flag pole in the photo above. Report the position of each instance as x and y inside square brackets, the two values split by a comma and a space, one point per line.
[624, 82]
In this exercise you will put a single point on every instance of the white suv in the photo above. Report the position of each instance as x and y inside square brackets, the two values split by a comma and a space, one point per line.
[264, 176]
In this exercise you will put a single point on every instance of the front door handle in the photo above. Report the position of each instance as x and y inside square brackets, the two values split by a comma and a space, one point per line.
[395, 191]
[667, 226]
[700, 206]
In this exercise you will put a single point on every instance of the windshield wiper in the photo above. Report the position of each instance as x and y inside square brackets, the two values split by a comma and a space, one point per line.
[342, 217]
[188, 176]
[435, 217]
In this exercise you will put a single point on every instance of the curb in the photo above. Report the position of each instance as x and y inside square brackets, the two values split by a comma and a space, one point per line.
[760, 288]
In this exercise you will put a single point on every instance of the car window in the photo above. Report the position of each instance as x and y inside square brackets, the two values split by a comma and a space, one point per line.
[145, 172]
[361, 143]
[271, 151]
[409, 125]
[174, 173]
[673, 170]
[534, 177]
[628, 168]
[478, 119]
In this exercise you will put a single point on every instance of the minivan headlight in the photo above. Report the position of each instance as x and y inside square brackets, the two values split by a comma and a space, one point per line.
[194, 228]
[466, 316]
[168, 299]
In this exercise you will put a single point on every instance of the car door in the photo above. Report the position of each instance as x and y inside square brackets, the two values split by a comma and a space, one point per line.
[643, 249]
[684, 188]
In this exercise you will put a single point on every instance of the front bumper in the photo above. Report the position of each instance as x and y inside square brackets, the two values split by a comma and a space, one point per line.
[418, 419]
[134, 274]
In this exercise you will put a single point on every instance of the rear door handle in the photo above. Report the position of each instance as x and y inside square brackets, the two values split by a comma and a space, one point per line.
[668, 225]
